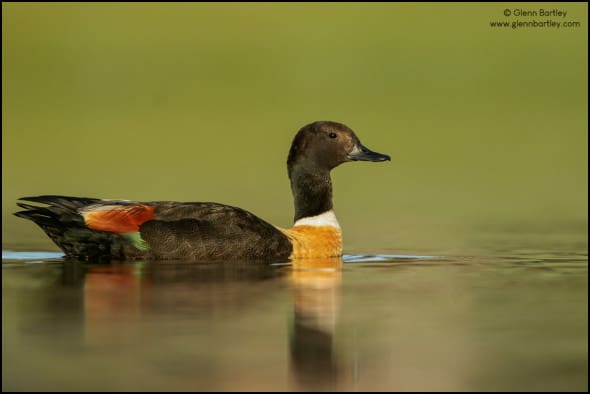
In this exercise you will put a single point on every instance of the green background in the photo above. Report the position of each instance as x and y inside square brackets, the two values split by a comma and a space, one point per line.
[487, 127]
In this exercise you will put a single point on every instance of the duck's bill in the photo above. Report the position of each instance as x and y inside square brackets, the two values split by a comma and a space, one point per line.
[361, 152]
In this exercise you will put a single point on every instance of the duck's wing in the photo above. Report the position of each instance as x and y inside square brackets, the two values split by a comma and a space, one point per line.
[118, 229]
[211, 231]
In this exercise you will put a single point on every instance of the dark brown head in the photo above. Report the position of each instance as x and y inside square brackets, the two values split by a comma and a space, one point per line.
[325, 145]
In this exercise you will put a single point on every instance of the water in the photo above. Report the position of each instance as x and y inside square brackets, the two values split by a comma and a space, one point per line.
[511, 319]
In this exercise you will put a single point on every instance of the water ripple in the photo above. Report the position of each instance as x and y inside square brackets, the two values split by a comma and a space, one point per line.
[365, 258]
[12, 255]
[39, 256]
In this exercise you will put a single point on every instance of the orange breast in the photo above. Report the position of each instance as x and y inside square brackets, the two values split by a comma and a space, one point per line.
[314, 241]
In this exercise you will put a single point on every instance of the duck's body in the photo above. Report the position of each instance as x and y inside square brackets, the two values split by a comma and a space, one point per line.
[93, 229]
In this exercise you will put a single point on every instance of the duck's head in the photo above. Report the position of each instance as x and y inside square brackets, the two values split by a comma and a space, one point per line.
[324, 145]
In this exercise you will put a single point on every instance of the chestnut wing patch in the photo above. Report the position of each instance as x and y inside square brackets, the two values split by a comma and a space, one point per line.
[118, 219]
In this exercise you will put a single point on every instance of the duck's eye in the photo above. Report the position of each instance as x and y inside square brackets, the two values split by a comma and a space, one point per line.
[333, 135]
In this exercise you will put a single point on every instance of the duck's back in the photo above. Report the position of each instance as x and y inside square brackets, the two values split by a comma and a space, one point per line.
[93, 229]
[200, 231]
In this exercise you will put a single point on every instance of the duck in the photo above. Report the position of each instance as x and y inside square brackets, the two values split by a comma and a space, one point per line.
[94, 229]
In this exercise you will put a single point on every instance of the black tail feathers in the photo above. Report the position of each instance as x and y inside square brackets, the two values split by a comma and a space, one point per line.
[62, 222]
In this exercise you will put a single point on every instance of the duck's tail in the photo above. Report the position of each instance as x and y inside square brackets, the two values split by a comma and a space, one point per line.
[62, 222]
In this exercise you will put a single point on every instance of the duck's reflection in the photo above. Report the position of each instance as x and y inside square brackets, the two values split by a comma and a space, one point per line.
[116, 298]
[316, 294]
